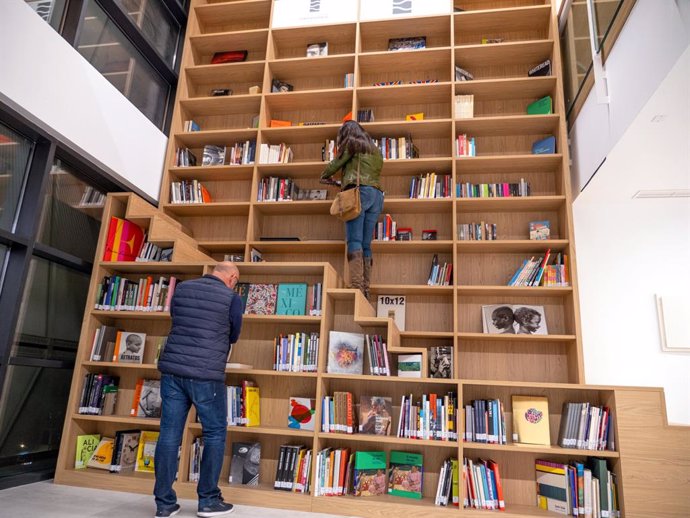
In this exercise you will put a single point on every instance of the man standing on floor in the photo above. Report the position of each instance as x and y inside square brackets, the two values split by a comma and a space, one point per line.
[206, 320]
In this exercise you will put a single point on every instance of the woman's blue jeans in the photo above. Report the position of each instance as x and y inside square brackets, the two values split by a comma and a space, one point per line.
[360, 231]
[210, 400]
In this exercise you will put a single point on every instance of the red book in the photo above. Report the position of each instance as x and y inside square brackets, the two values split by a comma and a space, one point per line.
[124, 240]
[499, 487]
[230, 56]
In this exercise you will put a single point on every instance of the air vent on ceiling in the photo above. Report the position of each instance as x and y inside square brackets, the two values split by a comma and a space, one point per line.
[663, 193]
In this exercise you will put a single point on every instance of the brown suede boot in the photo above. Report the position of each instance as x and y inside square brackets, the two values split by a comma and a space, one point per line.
[366, 278]
[355, 264]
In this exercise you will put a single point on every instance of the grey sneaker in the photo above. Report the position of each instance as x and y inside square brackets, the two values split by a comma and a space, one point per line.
[218, 508]
[164, 513]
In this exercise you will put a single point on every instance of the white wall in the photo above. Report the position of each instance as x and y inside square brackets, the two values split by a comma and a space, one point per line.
[628, 249]
[656, 33]
[48, 81]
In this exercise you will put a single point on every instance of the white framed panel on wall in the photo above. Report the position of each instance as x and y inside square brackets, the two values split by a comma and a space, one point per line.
[301, 13]
[387, 9]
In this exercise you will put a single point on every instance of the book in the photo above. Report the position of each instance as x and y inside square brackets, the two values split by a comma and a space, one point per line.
[301, 412]
[124, 240]
[415, 116]
[229, 56]
[552, 486]
[546, 146]
[102, 455]
[244, 466]
[345, 353]
[86, 445]
[275, 123]
[531, 420]
[514, 319]
[462, 75]
[412, 43]
[242, 289]
[370, 473]
[543, 106]
[464, 106]
[292, 298]
[252, 404]
[539, 230]
[375, 415]
[213, 155]
[410, 365]
[317, 49]
[130, 347]
[406, 474]
[255, 256]
[146, 451]
[542, 69]
[278, 86]
[441, 362]
[125, 451]
[149, 402]
[392, 306]
[261, 299]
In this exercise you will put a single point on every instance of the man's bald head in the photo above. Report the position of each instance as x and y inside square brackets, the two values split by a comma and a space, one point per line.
[227, 272]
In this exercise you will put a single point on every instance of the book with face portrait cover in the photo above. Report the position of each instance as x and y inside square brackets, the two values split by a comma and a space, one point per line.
[514, 319]
[129, 347]
[441, 362]
[405, 475]
[375, 415]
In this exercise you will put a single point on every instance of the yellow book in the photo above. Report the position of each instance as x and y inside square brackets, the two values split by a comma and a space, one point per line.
[102, 456]
[86, 445]
[253, 406]
[146, 451]
[415, 116]
[531, 420]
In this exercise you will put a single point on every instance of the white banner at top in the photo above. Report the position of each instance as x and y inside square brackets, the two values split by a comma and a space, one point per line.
[301, 13]
[393, 9]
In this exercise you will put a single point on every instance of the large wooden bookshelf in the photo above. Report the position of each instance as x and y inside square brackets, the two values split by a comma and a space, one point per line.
[485, 366]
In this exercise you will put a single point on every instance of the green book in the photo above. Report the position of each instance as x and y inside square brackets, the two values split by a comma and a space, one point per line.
[406, 474]
[292, 298]
[543, 106]
[242, 289]
[600, 471]
[86, 445]
[370, 473]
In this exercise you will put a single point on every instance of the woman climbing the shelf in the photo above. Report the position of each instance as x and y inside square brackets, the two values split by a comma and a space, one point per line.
[357, 151]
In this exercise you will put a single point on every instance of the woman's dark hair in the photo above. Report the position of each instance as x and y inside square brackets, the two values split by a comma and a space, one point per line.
[353, 138]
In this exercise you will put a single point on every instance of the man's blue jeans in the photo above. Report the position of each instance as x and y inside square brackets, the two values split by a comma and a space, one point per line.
[210, 400]
[360, 231]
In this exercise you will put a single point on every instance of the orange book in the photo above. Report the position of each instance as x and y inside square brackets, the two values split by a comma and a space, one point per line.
[348, 117]
[124, 240]
[499, 487]
[350, 422]
[330, 474]
[205, 195]
[137, 395]
[276, 123]
[344, 453]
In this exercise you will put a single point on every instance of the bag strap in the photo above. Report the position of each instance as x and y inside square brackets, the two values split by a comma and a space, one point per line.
[359, 161]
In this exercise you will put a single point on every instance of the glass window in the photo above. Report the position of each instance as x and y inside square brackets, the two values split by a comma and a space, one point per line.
[71, 214]
[577, 51]
[51, 312]
[605, 12]
[111, 53]
[50, 10]
[15, 154]
[156, 23]
[31, 418]
[3, 254]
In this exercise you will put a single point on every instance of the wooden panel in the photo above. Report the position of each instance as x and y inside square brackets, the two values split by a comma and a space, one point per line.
[376, 35]
[292, 43]
[527, 23]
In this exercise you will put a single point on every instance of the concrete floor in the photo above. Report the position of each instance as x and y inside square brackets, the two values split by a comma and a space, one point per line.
[45, 499]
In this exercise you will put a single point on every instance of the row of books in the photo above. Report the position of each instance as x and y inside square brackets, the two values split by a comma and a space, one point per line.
[328, 151]
[365, 115]
[465, 146]
[448, 487]
[147, 401]
[244, 404]
[117, 293]
[440, 275]
[431, 185]
[377, 351]
[296, 352]
[152, 253]
[273, 188]
[275, 154]
[285, 298]
[537, 272]
[338, 413]
[293, 472]
[586, 427]
[481, 231]
[588, 490]
[492, 190]
[386, 229]
[189, 191]
[129, 450]
[91, 197]
[485, 422]
[190, 125]
[430, 418]
[393, 148]
[349, 81]
[99, 394]
[185, 157]
[464, 106]
[483, 487]
[111, 344]
[541, 69]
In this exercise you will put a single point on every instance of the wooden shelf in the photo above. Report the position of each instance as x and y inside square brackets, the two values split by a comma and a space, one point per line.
[535, 87]
[221, 246]
[402, 94]
[507, 163]
[381, 439]
[132, 315]
[252, 40]
[470, 56]
[227, 13]
[198, 139]
[508, 125]
[417, 205]
[411, 247]
[486, 337]
[208, 209]
[299, 247]
[239, 72]
[542, 450]
[533, 18]
[221, 105]
[439, 128]
[412, 289]
[213, 172]
[282, 319]
[259, 373]
[416, 166]
[387, 379]
[294, 207]
[513, 203]
[306, 100]
[151, 267]
[123, 420]
[512, 245]
[321, 65]
[260, 430]
[514, 291]
[144, 367]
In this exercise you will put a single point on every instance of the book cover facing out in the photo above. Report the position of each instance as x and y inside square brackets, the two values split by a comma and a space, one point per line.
[392, 306]
[292, 298]
[543, 106]
[86, 445]
[531, 420]
[370, 473]
[102, 456]
[345, 353]
[146, 451]
[375, 415]
[405, 475]
[242, 289]
[261, 299]
[124, 240]
[130, 347]
[301, 413]
[410, 365]
[244, 467]
[545, 146]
